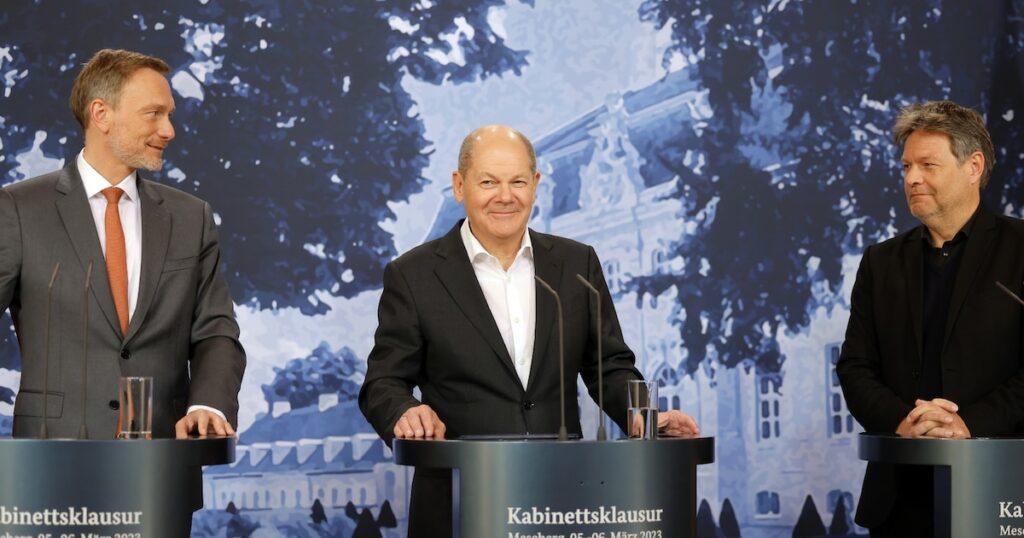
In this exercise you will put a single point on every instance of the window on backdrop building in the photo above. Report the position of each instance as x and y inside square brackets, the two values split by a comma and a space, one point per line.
[660, 262]
[613, 276]
[840, 421]
[767, 505]
[769, 403]
[668, 381]
[835, 496]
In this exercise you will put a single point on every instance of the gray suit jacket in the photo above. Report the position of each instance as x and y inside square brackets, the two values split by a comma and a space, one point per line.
[182, 333]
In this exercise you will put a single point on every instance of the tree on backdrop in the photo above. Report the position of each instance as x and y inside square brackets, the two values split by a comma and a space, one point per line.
[802, 96]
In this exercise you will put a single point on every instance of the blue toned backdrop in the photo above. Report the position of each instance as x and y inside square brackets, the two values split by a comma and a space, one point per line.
[728, 159]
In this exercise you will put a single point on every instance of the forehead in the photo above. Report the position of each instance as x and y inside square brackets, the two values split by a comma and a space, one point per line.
[927, 143]
[146, 86]
[499, 152]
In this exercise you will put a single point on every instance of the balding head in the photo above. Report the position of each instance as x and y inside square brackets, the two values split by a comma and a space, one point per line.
[492, 132]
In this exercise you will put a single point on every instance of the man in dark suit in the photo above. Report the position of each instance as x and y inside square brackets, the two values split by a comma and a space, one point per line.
[158, 304]
[933, 348]
[460, 317]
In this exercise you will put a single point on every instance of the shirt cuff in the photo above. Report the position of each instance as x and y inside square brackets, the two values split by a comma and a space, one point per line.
[192, 408]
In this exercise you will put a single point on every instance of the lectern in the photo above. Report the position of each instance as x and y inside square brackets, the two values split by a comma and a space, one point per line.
[572, 488]
[979, 483]
[85, 488]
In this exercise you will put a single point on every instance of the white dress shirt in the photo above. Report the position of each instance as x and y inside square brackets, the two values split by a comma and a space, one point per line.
[511, 296]
[130, 210]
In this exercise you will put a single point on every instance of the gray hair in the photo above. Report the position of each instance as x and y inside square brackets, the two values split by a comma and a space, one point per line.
[964, 127]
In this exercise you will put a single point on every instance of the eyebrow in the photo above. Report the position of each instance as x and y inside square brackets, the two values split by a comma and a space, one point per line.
[157, 106]
[487, 175]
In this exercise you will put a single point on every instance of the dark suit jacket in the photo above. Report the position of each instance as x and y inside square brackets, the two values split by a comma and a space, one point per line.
[436, 332]
[982, 359]
[182, 332]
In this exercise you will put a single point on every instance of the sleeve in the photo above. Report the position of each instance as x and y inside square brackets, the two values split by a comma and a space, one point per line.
[871, 401]
[395, 362]
[10, 249]
[217, 358]
[618, 360]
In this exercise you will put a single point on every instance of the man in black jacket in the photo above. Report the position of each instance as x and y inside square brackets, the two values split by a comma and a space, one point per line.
[461, 318]
[933, 348]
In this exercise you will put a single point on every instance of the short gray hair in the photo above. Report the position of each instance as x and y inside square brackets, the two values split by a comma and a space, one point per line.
[964, 127]
[469, 144]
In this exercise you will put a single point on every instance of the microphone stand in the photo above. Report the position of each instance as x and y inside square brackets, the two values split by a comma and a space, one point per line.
[563, 434]
[1010, 293]
[601, 434]
[83, 431]
[43, 431]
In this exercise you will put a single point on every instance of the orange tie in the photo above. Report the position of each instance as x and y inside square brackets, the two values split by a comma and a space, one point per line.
[117, 261]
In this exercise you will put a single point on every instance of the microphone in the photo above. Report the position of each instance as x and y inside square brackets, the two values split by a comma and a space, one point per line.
[43, 433]
[601, 434]
[83, 431]
[1010, 293]
[563, 434]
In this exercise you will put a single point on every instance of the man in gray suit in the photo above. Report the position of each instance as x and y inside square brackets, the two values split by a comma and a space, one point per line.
[158, 305]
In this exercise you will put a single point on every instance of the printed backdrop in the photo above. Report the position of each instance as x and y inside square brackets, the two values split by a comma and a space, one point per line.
[728, 159]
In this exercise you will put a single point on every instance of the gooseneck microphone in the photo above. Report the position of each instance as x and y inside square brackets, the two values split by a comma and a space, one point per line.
[43, 433]
[563, 434]
[1010, 293]
[83, 431]
[601, 434]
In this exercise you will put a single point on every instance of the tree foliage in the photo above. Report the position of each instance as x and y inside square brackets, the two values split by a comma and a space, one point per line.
[302, 381]
[291, 118]
[798, 167]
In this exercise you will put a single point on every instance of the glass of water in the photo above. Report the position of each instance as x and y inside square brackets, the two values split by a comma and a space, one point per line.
[642, 410]
[135, 396]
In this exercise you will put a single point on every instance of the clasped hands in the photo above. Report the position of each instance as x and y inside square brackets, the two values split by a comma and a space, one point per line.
[421, 422]
[936, 419]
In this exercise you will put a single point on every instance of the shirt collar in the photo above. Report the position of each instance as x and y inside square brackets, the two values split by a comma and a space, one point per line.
[924, 236]
[476, 251]
[94, 182]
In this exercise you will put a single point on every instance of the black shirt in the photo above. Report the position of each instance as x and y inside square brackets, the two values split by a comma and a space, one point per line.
[940, 268]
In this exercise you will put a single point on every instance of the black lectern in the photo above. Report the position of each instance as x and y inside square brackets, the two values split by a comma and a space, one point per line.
[570, 488]
[979, 483]
[129, 488]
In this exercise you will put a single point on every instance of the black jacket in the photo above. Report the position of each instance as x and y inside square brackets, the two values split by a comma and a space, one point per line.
[982, 362]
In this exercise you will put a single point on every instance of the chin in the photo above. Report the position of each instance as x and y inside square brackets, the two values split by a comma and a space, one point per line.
[152, 165]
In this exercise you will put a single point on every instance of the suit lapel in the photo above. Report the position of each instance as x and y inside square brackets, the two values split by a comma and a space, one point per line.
[549, 268]
[913, 270]
[76, 216]
[456, 275]
[978, 248]
[156, 236]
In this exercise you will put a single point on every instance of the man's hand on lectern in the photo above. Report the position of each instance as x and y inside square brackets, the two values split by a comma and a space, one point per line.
[420, 422]
[203, 422]
[677, 424]
[936, 418]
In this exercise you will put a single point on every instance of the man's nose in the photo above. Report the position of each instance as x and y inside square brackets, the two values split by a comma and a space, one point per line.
[166, 130]
[911, 175]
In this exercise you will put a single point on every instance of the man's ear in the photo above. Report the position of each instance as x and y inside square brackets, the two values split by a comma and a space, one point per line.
[457, 184]
[100, 115]
[976, 162]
